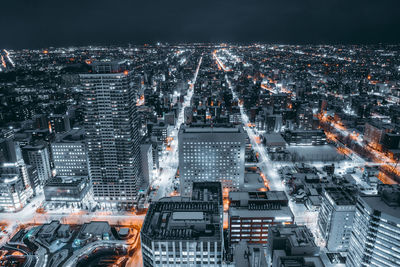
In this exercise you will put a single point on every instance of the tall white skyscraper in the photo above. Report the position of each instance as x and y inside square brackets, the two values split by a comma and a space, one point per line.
[375, 239]
[112, 133]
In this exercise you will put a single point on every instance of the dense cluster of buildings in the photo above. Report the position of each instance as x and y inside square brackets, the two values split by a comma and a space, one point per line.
[258, 155]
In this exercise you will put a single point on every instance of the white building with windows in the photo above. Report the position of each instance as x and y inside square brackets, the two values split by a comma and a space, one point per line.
[375, 239]
[183, 231]
[38, 156]
[13, 193]
[335, 218]
[70, 155]
[211, 154]
[112, 133]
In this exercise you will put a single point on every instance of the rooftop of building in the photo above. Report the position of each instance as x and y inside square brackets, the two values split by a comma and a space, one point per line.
[274, 139]
[206, 128]
[181, 219]
[70, 181]
[74, 135]
[296, 235]
[34, 147]
[279, 213]
[207, 191]
[257, 195]
[95, 228]
[387, 201]
[249, 254]
[108, 67]
[298, 261]
[340, 196]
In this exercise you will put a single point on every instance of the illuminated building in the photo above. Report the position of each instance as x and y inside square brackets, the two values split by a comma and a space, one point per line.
[375, 239]
[211, 154]
[72, 190]
[13, 194]
[112, 133]
[252, 213]
[182, 231]
[38, 157]
[305, 137]
[335, 218]
[292, 245]
[70, 155]
[12, 165]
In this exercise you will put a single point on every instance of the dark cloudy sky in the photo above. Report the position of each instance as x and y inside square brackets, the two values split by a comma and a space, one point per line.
[44, 23]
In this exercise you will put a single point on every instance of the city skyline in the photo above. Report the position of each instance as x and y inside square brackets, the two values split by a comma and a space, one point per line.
[209, 133]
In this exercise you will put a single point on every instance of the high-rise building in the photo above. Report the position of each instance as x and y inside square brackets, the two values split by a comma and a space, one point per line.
[112, 133]
[252, 213]
[38, 156]
[70, 154]
[211, 154]
[183, 231]
[335, 218]
[375, 239]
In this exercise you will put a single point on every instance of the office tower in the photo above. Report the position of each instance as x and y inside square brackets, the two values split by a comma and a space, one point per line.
[183, 231]
[38, 157]
[252, 213]
[70, 154]
[292, 245]
[146, 158]
[211, 154]
[375, 239]
[112, 133]
[335, 218]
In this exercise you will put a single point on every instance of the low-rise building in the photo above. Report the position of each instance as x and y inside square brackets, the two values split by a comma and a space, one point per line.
[252, 213]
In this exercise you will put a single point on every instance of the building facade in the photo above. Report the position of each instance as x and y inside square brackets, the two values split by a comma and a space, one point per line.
[13, 194]
[375, 239]
[70, 154]
[112, 133]
[38, 156]
[211, 154]
[252, 213]
[180, 231]
[335, 218]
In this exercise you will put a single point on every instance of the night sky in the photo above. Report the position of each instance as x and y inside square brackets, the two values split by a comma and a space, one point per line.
[44, 23]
